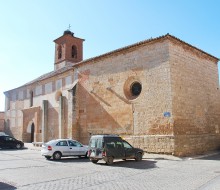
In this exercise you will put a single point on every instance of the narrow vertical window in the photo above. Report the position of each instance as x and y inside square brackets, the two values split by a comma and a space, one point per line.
[74, 52]
[31, 98]
[59, 52]
[7, 103]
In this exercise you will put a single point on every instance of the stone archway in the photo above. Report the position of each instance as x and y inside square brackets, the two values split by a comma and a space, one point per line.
[30, 132]
[31, 121]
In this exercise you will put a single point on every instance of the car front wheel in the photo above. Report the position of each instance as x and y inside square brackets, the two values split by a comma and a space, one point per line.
[18, 146]
[138, 157]
[57, 156]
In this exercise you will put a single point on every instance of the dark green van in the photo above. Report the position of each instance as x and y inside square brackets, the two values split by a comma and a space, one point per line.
[110, 147]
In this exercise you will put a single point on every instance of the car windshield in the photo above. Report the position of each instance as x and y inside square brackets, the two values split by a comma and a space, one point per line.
[127, 145]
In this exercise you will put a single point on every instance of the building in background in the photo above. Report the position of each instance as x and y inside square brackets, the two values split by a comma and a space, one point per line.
[160, 94]
[2, 121]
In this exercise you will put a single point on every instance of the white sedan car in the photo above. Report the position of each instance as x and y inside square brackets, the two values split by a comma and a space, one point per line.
[63, 147]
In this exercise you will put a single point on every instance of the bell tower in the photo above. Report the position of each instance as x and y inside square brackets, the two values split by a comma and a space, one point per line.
[68, 50]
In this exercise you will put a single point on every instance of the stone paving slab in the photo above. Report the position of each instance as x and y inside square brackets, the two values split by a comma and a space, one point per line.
[27, 170]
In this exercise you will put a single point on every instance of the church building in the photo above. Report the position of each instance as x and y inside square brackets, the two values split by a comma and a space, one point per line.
[160, 94]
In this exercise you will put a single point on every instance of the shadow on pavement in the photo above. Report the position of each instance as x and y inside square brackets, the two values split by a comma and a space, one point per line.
[213, 156]
[144, 164]
[12, 149]
[5, 186]
[141, 165]
[70, 159]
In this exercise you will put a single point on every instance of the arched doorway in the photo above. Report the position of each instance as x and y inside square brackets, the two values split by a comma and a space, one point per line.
[32, 132]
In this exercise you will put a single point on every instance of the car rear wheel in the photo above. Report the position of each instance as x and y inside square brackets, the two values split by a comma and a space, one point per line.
[57, 155]
[138, 157]
[18, 146]
[110, 161]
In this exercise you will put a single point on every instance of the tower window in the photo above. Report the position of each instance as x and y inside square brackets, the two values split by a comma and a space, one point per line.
[74, 52]
[59, 51]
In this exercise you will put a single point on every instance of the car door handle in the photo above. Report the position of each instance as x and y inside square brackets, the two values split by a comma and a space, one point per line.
[70, 148]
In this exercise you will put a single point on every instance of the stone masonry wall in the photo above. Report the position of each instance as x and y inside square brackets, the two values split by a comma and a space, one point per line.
[104, 106]
[2, 115]
[195, 97]
[153, 143]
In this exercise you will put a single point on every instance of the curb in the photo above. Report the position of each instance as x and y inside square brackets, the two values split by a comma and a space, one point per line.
[203, 156]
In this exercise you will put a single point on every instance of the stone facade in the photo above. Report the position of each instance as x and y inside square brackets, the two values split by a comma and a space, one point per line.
[195, 97]
[160, 94]
[22, 113]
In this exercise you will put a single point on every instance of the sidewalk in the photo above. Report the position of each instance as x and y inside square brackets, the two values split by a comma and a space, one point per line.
[32, 147]
[161, 157]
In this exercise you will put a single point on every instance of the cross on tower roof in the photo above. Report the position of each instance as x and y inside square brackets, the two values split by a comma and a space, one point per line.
[69, 27]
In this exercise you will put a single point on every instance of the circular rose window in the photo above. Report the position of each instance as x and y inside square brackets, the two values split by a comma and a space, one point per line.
[135, 89]
[132, 88]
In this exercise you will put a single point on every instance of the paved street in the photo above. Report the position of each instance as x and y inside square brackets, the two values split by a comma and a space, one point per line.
[27, 170]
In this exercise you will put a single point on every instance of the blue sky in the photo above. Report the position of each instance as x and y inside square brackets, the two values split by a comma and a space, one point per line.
[28, 29]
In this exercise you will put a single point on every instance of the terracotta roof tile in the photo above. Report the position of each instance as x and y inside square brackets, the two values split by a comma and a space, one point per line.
[167, 36]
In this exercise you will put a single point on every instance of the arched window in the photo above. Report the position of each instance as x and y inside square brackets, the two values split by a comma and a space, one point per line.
[74, 52]
[59, 52]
